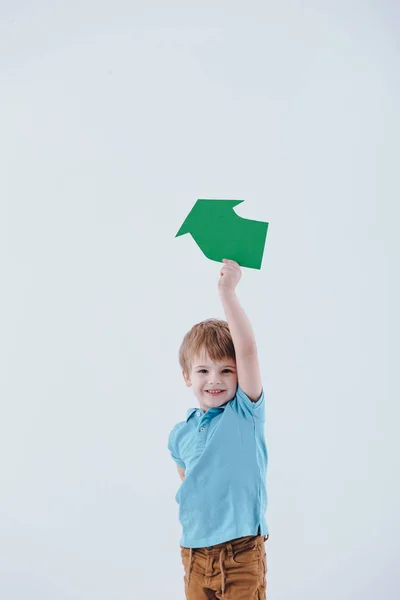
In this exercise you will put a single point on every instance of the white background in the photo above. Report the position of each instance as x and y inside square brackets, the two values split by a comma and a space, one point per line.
[114, 118]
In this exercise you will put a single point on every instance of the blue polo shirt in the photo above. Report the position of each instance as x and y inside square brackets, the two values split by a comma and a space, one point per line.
[223, 450]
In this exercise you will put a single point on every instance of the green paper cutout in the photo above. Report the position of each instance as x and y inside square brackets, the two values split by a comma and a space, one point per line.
[221, 233]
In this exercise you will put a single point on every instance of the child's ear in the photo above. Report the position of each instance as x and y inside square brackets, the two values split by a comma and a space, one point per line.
[186, 378]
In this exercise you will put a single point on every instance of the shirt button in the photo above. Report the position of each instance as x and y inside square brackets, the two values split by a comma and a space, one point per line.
[202, 429]
[198, 414]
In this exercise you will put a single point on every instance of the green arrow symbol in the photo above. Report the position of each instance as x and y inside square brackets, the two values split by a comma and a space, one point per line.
[221, 233]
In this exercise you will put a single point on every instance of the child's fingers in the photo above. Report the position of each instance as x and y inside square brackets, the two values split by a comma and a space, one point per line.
[231, 263]
[231, 268]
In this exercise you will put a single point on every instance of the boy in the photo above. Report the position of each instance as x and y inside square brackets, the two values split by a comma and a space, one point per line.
[221, 456]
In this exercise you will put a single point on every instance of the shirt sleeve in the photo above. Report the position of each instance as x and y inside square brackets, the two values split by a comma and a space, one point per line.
[257, 408]
[172, 447]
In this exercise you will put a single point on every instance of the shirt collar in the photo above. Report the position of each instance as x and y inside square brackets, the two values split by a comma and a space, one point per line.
[190, 411]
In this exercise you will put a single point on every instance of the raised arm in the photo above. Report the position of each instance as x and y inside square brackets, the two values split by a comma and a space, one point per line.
[247, 365]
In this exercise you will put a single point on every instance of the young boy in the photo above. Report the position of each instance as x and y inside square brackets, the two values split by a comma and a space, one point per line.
[221, 456]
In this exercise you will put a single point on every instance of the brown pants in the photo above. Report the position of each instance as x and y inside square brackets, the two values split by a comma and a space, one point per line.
[234, 570]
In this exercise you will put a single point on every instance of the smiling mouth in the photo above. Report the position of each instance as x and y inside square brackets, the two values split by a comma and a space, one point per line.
[215, 393]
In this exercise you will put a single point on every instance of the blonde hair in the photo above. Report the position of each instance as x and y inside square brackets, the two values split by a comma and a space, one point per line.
[211, 335]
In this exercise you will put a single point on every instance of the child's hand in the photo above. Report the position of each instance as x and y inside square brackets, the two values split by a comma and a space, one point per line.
[230, 275]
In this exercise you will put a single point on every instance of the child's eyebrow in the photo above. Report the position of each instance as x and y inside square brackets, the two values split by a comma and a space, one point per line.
[224, 367]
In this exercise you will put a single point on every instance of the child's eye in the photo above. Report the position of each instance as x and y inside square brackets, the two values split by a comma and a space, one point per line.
[205, 370]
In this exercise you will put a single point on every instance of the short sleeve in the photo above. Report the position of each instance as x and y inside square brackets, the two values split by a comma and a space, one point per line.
[172, 447]
[257, 408]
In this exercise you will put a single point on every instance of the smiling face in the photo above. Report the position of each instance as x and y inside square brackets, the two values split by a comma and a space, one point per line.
[214, 383]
